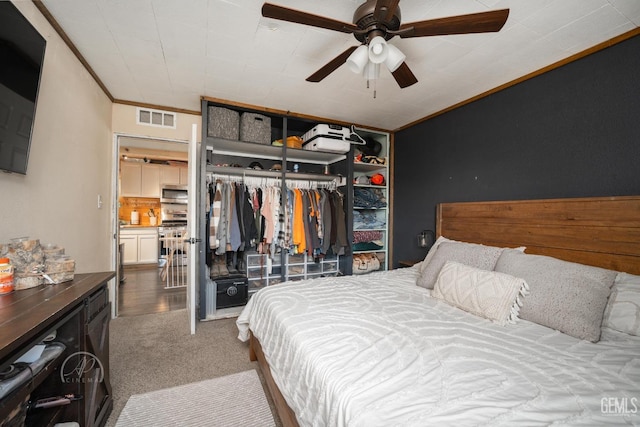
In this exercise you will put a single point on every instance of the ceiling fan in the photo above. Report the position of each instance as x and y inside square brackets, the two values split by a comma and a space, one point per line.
[377, 21]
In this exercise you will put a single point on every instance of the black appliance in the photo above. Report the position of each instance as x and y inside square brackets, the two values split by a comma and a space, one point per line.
[232, 292]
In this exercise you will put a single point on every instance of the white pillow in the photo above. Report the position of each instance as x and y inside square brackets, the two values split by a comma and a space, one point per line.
[623, 308]
[489, 294]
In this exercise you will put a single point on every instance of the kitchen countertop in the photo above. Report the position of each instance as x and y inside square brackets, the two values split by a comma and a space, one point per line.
[129, 226]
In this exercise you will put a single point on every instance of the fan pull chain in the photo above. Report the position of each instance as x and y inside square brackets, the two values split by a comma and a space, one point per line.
[374, 87]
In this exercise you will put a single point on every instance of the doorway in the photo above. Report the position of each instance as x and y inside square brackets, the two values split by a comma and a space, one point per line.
[152, 275]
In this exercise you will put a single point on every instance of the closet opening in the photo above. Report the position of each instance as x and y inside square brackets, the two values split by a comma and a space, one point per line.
[263, 230]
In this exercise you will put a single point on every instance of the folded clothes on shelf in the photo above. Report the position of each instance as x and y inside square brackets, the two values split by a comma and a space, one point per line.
[368, 220]
[368, 246]
[368, 198]
[366, 236]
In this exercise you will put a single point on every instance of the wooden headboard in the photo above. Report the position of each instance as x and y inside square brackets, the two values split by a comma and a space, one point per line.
[599, 231]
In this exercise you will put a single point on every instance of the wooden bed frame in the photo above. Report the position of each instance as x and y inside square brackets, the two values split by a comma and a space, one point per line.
[599, 231]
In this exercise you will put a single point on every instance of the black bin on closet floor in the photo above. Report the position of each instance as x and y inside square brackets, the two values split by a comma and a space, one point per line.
[232, 291]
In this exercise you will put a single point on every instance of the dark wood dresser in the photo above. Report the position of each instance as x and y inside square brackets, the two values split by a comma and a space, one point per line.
[76, 314]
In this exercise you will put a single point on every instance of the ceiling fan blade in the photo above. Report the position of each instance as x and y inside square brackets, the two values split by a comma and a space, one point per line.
[331, 66]
[385, 9]
[483, 22]
[404, 76]
[291, 15]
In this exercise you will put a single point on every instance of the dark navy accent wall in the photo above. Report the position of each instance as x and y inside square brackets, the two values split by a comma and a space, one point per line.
[571, 132]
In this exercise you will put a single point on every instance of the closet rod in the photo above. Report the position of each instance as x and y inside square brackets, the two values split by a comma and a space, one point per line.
[265, 181]
[232, 171]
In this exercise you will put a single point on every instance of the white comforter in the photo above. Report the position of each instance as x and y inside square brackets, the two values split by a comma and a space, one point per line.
[377, 350]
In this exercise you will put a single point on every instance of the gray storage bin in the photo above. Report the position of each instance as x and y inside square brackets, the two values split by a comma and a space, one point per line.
[223, 123]
[255, 128]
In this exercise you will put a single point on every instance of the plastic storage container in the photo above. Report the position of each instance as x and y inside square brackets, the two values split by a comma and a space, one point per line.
[6, 276]
[328, 138]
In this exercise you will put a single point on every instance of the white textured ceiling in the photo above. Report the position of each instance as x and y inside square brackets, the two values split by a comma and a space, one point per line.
[171, 52]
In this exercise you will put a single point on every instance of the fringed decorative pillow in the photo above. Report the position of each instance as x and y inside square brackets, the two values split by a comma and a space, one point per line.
[489, 294]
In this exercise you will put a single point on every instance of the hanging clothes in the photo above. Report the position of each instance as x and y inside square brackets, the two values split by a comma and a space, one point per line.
[298, 233]
[314, 241]
[245, 216]
[223, 236]
[250, 232]
[215, 196]
[326, 221]
[341, 244]
[235, 238]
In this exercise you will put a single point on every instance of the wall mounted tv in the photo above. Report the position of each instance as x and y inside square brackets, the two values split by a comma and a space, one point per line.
[21, 57]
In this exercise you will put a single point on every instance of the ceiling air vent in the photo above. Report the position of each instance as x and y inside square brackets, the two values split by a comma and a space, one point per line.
[149, 117]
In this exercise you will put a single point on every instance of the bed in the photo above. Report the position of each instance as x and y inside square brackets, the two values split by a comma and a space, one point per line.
[381, 350]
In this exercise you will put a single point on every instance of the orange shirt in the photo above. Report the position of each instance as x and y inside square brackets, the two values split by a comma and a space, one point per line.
[298, 235]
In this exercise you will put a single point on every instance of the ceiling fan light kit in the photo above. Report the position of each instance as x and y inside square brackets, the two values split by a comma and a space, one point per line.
[377, 50]
[375, 22]
[371, 71]
[358, 59]
[395, 58]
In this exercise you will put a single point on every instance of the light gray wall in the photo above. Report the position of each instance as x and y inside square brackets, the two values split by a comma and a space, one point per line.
[70, 161]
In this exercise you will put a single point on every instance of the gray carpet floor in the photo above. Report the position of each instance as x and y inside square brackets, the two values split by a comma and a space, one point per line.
[156, 351]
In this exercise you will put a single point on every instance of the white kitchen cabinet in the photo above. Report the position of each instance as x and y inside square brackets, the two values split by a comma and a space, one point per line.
[139, 180]
[130, 254]
[140, 245]
[184, 176]
[148, 248]
[174, 175]
[130, 179]
[150, 183]
[169, 175]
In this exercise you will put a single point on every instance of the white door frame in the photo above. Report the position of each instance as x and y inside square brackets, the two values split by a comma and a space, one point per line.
[115, 221]
[194, 230]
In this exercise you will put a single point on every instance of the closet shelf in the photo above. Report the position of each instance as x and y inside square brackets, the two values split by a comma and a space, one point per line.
[368, 167]
[369, 229]
[250, 149]
[382, 187]
[233, 171]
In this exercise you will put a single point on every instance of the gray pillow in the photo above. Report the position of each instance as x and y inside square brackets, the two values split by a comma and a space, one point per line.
[565, 296]
[471, 254]
[623, 309]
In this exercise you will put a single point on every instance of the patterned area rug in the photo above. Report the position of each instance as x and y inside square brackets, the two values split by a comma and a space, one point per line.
[234, 400]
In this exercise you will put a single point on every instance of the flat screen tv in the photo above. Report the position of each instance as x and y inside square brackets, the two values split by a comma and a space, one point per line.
[21, 57]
